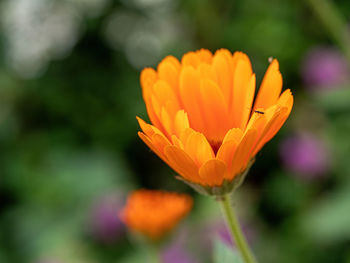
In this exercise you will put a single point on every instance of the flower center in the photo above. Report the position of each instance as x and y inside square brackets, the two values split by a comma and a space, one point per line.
[215, 145]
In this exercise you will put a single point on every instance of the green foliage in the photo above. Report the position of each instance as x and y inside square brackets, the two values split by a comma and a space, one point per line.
[328, 220]
[68, 133]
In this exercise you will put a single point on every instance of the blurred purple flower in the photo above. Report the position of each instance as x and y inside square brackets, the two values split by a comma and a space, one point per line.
[305, 155]
[325, 68]
[175, 251]
[224, 234]
[105, 223]
[176, 254]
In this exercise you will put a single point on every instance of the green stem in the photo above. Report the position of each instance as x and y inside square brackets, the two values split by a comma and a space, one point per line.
[153, 253]
[333, 22]
[236, 232]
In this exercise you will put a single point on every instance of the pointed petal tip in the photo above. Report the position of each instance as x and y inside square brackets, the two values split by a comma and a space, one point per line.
[274, 63]
[141, 122]
[289, 91]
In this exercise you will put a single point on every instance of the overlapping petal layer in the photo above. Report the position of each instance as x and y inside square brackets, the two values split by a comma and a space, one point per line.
[206, 124]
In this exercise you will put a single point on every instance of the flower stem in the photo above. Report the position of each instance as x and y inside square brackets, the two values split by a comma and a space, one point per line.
[333, 22]
[153, 253]
[235, 229]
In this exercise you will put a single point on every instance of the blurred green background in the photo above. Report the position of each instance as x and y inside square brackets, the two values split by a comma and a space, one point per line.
[69, 151]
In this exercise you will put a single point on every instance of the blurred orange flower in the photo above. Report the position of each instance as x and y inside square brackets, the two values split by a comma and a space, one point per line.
[154, 213]
[206, 124]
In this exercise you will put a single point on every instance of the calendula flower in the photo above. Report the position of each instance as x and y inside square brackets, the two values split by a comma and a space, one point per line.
[154, 213]
[206, 124]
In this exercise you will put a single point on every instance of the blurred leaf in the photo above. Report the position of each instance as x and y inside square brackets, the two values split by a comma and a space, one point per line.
[225, 254]
[329, 220]
[334, 99]
[65, 178]
[2, 256]
[136, 256]
[285, 193]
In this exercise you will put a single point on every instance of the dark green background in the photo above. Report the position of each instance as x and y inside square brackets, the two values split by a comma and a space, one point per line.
[68, 133]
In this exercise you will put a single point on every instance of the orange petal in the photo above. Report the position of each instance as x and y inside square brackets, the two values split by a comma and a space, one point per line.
[241, 157]
[286, 100]
[214, 109]
[145, 127]
[198, 148]
[234, 134]
[206, 71]
[225, 52]
[238, 56]
[257, 120]
[276, 126]
[155, 107]
[223, 69]
[190, 92]
[242, 92]
[181, 122]
[190, 59]
[164, 93]
[165, 110]
[212, 172]
[148, 77]
[270, 88]
[248, 101]
[148, 129]
[172, 108]
[155, 136]
[159, 142]
[167, 122]
[150, 145]
[276, 121]
[176, 141]
[185, 135]
[182, 163]
[226, 153]
[169, 73]
[277, 115]
[172, 60]
[204, 55]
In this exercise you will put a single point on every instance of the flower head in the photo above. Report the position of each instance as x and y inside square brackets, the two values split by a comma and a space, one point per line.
[154, 213]
[206, 125]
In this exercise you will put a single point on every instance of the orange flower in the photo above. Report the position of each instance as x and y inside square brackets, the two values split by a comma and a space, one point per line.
[154, 213]
[206, 124]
